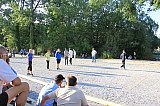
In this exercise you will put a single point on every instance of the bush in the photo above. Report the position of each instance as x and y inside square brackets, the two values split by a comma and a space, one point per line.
[106, 55]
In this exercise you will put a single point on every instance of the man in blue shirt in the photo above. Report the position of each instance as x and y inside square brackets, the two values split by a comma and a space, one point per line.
[58, 80]
[30, 57]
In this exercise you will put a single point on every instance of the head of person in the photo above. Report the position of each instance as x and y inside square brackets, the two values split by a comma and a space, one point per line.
[71, 81]
[58, 50]
[30, 51]
[3, 53]
[92, 48]
[123, 51]
[59, 79]
[48, 51]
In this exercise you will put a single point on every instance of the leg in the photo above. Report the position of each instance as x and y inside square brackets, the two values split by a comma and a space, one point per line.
[92, 58]
[57, 66]
[67, 60]
[30, 64]
[22, 90]
[47, 64]
[71, 61]
[28, 68]
[124, 64]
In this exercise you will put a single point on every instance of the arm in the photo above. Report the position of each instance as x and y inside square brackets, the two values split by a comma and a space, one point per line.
[16, 82]
[83, 100]
[51, 95]
[44, 100]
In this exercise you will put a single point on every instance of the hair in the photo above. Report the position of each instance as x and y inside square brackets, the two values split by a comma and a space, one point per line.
[2, 50]
[58, 81]
[71, 80]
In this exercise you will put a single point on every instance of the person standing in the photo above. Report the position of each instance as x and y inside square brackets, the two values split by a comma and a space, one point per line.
[93, 53]
[8, 76]
[68, 96]
[30, 58]
[66, 53]
[47, 55]
[14, 52]
[74, 53]
[123, 57]
[58, 80]
[70, 55]
[135, 55]
[58, 58]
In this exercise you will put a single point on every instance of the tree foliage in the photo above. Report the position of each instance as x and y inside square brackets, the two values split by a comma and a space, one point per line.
[107, 25]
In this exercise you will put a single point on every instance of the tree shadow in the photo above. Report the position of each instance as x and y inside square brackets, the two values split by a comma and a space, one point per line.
[76, 72]
[101, 67]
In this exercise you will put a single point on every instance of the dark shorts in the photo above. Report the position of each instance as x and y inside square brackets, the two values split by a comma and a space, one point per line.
[123, 61]
[3, 99]
[58, 61]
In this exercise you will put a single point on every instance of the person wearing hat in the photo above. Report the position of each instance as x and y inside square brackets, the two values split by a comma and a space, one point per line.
[68, 96]
[58, 80]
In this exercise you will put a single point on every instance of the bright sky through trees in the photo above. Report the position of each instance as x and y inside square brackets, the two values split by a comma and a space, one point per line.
[155, 15]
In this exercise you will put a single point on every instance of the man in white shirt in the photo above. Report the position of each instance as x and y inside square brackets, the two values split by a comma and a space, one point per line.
[70, 55]
[9, 77]
[68, 96]
[93, 55]
[74, 53]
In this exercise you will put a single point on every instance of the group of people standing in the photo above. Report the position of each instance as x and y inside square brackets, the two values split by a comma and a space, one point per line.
[67, 55]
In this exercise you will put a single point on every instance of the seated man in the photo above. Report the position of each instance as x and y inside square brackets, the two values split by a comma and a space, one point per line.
[68, 96]
[50, 88]
[9, 77]
[130, 57]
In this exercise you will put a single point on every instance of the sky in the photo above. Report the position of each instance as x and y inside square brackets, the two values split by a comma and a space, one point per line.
[155, 15]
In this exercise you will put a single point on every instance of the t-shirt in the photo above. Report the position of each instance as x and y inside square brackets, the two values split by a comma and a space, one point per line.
[58, 55]
[69, 96]
[74, 53]
[66, 53]
[30, 56]
[94, 52]
[46, 90]
[24, 51]
[48, 56]
[7, 74]
[70, 53]
[123, 56]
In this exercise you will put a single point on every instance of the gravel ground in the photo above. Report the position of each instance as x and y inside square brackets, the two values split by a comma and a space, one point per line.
[138, 85]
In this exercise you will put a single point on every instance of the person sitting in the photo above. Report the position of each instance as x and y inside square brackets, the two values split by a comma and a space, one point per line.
[68, 96]
[85, 56]
[50, 88]
[129, 57]
[8, 77]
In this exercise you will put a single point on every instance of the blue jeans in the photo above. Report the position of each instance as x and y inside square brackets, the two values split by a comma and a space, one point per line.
[93, 58]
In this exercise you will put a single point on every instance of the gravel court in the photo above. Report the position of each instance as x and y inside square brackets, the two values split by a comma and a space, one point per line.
[103, 79]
